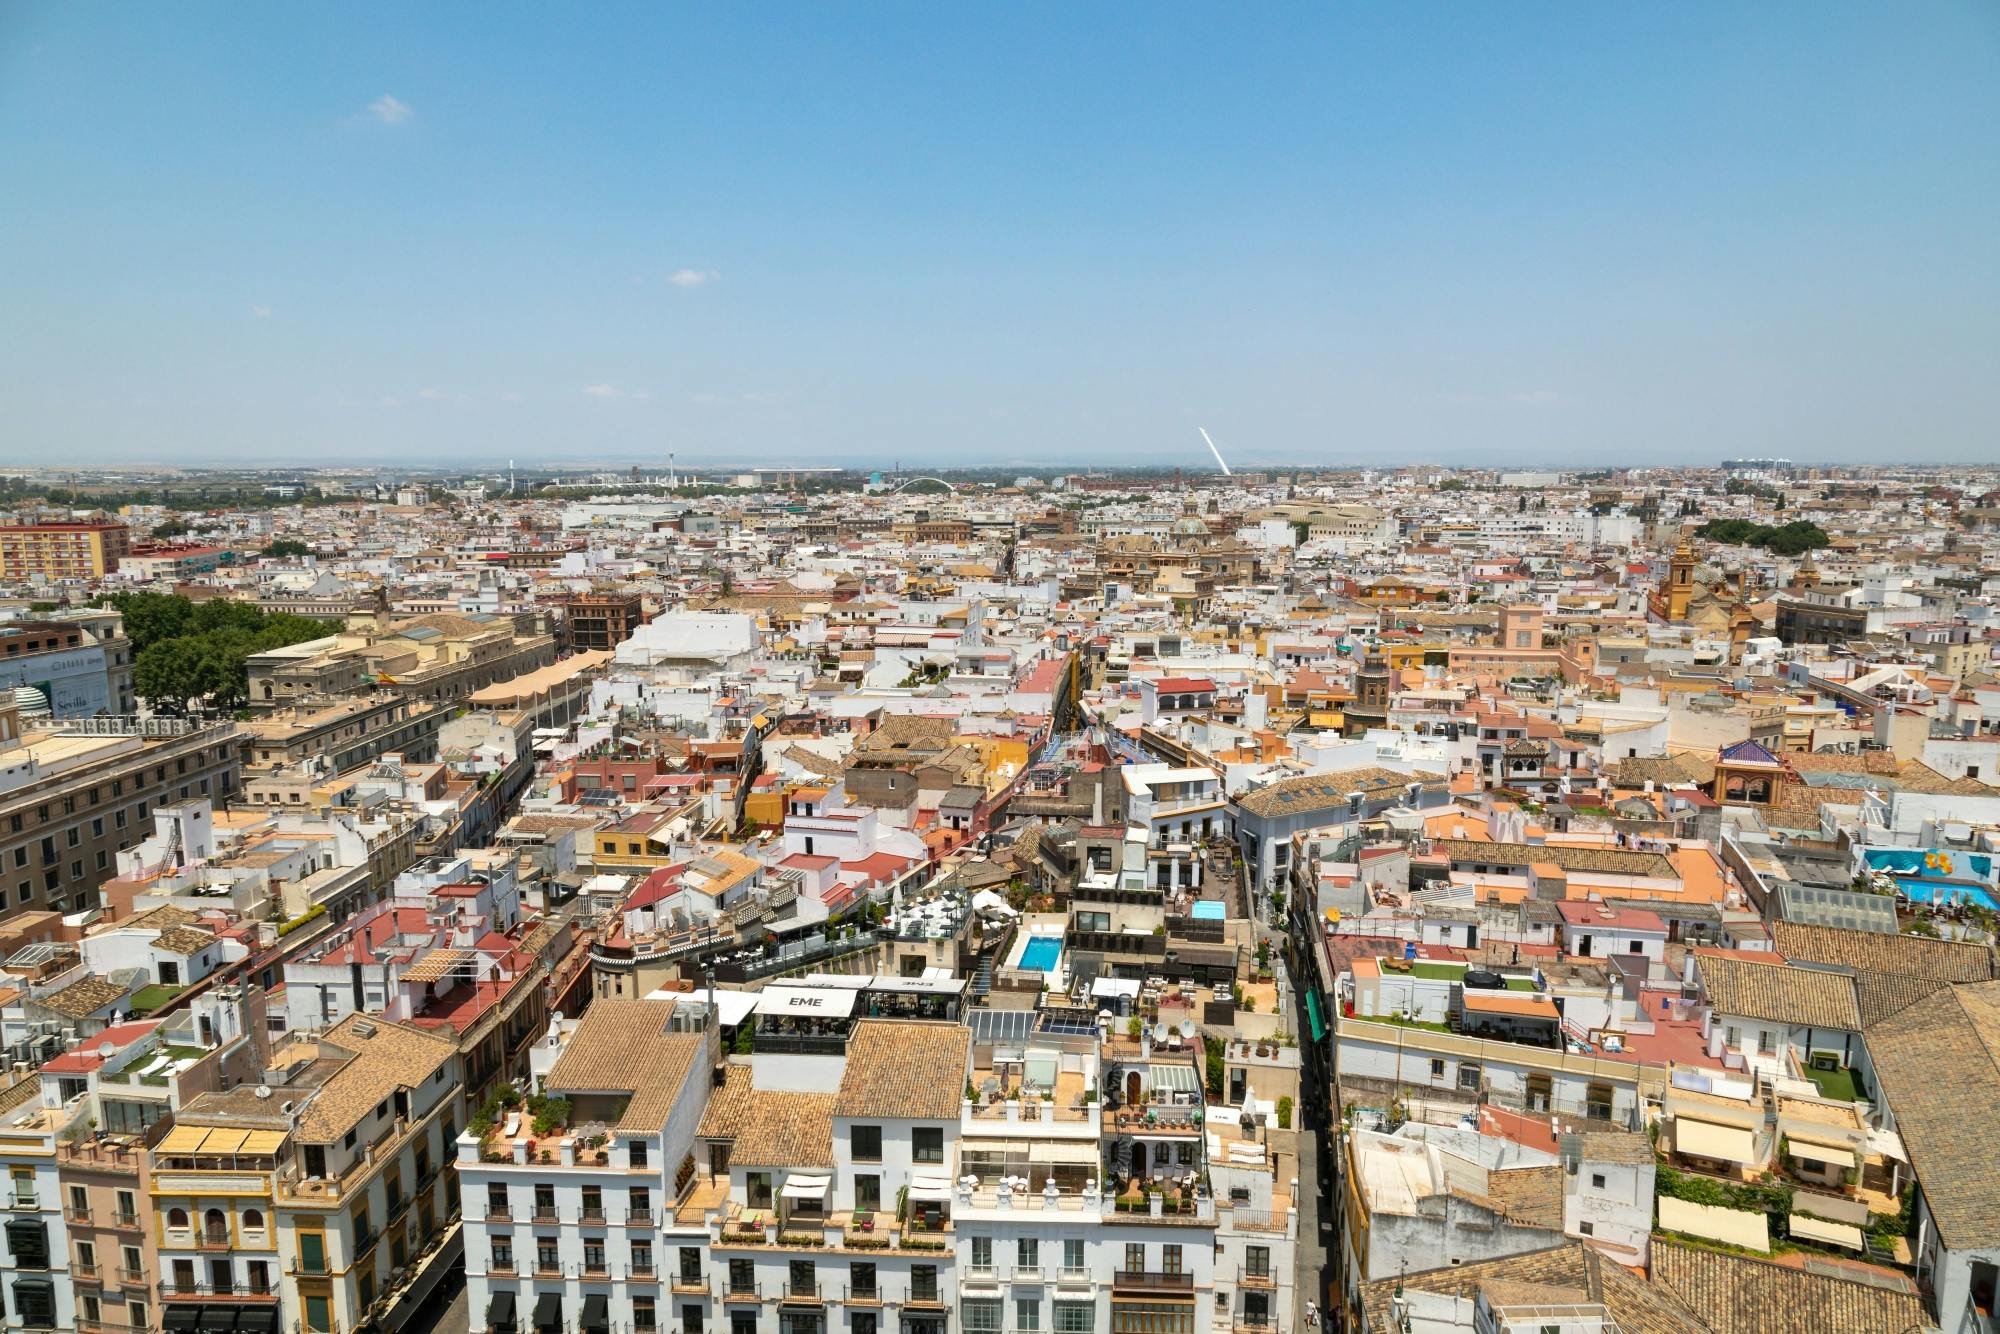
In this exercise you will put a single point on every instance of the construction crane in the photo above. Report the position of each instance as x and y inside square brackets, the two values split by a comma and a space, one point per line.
[1213, 450]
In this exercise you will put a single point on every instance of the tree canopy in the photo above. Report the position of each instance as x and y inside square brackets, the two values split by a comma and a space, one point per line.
[1791, 539]
[192, 654]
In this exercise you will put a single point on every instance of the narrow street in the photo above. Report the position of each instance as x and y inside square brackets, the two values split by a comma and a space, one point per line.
[1315, 1274]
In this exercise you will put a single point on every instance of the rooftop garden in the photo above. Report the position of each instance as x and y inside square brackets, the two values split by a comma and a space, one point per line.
[148, 999]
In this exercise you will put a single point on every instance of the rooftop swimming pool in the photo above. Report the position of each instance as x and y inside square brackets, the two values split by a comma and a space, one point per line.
[1919, 891]
[1209, 910]
[1040, 953]
[1916, 862]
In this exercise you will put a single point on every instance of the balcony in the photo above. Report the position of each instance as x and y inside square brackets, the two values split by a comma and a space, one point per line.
[179, 1290]
[82, 1272]
[803, 1294]
[592, 1216]
[496, 1265]
[639, 1218]
[871, 1295]
[132, 1278]
[1263, 1281]
[124, 1221]
[928, 1297]
[498, 1213]
[75, 1215]
[543, 1213]
[734, 1291]
[1074, 1276]
[1147, 1280]
[980, 1276]
[212, 1239]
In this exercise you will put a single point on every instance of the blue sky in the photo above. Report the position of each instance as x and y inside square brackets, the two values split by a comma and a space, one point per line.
[1033, 233]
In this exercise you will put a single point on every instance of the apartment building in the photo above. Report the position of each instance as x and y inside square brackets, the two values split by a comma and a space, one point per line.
[112, 1257]
[209, 1192]
[570, 1199]
[86, 549]
[74, 793]
[34, 1266]
[364, 1212]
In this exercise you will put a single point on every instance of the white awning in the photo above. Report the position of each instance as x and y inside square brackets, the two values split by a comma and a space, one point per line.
[1818, 1229]
[807, 1188]
[1083, 1152]
[1115, 986]
[935, 1190]
[1703, 1139]
[806, 1002]
[1819, 1153]
[919, 986]
[736, 1006]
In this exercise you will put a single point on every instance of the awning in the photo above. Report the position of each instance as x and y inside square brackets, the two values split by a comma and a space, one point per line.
[1819, 1153]
[806, 1187]
[258, 1320]
[1063, 1151]
[1174, 1077]
[500, 1311]
[596, 1312]
[1703, 1139]
[262, 1141]
[806, 1002]
[182, 1319]
[182, 1140]
[935, 1190]
[1313, 1016]
[548, 1312]
[1818, 1229]
[218, 1320]
[1115, 986]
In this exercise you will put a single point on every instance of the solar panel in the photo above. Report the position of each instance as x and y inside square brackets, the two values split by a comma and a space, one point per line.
[1000, 1025]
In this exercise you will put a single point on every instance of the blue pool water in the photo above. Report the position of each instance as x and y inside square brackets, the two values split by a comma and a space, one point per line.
[1041, 953]
[1920, 892]
[1209, 910]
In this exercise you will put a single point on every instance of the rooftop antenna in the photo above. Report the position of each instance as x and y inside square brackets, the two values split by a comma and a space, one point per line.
[1213, 450]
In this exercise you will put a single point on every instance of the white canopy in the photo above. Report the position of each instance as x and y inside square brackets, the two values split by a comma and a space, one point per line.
[807, 1002]
[735, 1006]
[935, 1190]
[1115, 986]
[806, 1187]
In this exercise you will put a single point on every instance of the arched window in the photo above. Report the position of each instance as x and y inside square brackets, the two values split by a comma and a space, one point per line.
[177, 1218]
[214, 1225]
[253, 1220]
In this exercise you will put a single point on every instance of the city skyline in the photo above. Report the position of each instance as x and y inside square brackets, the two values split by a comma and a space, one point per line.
[1568, 237]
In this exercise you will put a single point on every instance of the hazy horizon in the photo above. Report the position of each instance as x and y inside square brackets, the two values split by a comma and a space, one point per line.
[1570, 236]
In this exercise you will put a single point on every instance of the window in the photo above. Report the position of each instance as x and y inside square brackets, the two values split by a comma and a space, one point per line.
[1257, 1261]
[757, 1189]
[1075, 1317]
[742, 1276]
[1588, 1229]
[1597, 1181]
[1028, 1253]
[642, 1314]
[927, 1144]
[868, 1193]
[1135, 1257]
[980, 1316]
[1152, 1318]
[177, 1219]
[1072, 1253]
[312, 1257]
[1437, 1068]
[865, 1144]
[1028, 1314]
[593, 1255]
[503, 1252]
[639, 1205]
[802, 1279]
[923, 1283]
[547, 1255]
[636, 1152]
[642, 1257]
[1767, 1042]
[1170, 1258]
[982, 1252]
[861, 1279]
[691, 1269]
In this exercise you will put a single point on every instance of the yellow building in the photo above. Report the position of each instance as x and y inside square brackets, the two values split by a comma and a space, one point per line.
[209, 1193]
[87, 549]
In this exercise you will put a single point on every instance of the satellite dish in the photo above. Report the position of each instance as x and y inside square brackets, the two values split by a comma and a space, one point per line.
[1187, 1028]
[1161, 1032]
[107, 1050]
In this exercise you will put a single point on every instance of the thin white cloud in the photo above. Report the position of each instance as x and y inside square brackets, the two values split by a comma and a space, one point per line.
[603, 391]
[260, 312]
[510, 397]
[392, 402]
[692, 277]
[1536, 397]
[390, 109]
[434, 395]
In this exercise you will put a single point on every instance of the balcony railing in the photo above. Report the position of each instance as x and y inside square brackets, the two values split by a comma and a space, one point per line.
[639, 1218]
[1073, 1276]
[747, 1291]
[131, 1278]
[802, 1292]
[124, 1220]
[591, 1217]
[543, 1213]
[173, 1287]
[1147, 1280]
[213, 1239]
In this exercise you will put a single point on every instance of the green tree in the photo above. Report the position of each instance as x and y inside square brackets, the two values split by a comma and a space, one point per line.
[285, 548]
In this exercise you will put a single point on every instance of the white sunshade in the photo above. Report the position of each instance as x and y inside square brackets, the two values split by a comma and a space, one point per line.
[1820, 1153]
[807, 1188]
[1082, 1152]
[807, 1002]
[1175, 1078]
[1818, 1229]
[735, 1006]
[1115, 986]
[930, 1189]
[1703, 1139]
